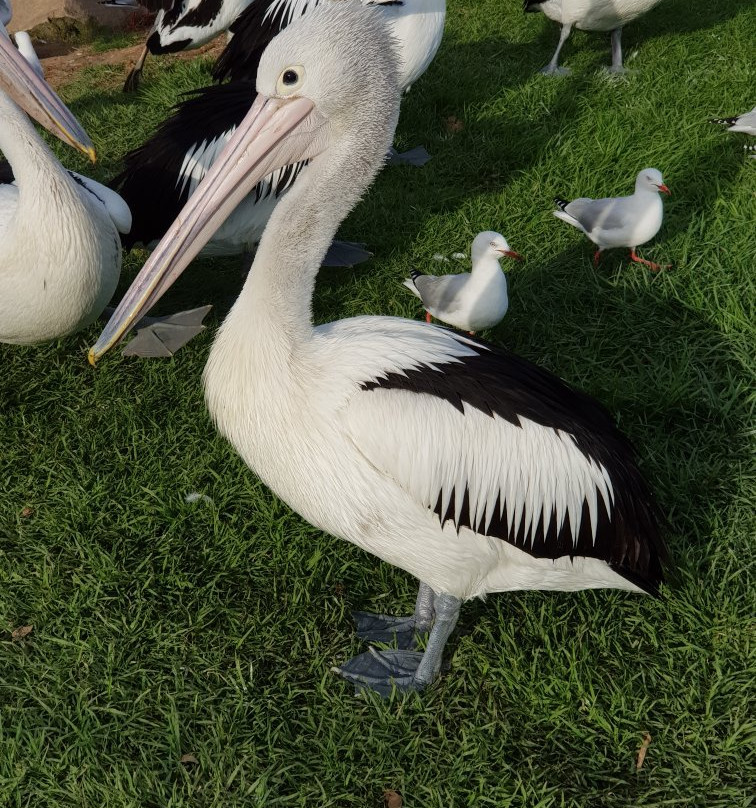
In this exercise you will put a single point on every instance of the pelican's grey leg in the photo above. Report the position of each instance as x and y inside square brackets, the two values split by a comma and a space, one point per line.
[406, 670]
[552, 68]
[386, 629]
[617, 66]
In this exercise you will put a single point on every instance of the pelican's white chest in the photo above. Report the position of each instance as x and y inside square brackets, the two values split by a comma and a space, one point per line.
[60, 258]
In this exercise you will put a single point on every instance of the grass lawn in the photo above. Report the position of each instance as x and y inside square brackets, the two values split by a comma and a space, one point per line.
[164, 628]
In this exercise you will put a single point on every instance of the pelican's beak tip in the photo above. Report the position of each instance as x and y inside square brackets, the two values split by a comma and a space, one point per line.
[92, 357]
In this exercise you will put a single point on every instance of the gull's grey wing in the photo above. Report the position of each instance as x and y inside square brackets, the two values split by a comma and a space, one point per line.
[442, 293]
[600, 214]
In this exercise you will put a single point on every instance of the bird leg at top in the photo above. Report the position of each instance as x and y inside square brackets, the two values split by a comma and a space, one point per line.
[131, 85]
[617, 66]
[381, 671]
[552, 68]
[404, 630]
[428, 317]
[596, 257]
[650, 264]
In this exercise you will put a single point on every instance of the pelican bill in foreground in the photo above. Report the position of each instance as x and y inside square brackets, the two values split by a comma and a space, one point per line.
[527, 483]
[60, 253]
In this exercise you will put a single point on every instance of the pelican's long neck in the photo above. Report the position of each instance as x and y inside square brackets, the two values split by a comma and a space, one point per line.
[278, 292]
[34, 165]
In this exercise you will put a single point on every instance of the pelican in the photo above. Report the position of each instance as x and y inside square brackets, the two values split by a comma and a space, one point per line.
[620, 221]
[473, 300]
[590, 15]
[60, 253]
[161, 174]
[183, 25]
[527, 483]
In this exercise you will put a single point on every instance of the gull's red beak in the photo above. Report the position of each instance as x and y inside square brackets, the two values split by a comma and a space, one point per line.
[663, 188]
[512, 254]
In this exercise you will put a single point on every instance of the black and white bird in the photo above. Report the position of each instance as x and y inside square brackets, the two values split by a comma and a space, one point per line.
[590, 15]
[745, 123]
[527, 483]
[60, 254]
[620, 221]
[470, 301]
[182, 25]
[160, 175]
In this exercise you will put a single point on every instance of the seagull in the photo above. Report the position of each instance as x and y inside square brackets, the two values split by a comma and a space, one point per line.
[161, 174]
[470, 301]
[527, 483]
[590, 15]
[741, 123]
[620, 221]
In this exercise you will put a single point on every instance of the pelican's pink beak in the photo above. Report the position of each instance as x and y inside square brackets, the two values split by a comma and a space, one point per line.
[35, 96]
[263, 142]
[663, 188]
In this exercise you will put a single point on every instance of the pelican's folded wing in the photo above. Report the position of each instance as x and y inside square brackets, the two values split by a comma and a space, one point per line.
[494, 443]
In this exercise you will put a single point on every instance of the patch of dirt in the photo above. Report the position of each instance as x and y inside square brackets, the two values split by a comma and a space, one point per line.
[61, 62]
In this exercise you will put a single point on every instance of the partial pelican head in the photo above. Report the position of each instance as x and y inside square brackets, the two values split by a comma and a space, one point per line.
[35, 96]
[325, 75]
[489, 244]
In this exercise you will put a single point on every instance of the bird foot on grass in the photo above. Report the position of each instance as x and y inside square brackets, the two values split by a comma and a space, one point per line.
[554, 70]
[412, 157]
[386, 629]
[382, 671]
[346, 254]
[163, 336]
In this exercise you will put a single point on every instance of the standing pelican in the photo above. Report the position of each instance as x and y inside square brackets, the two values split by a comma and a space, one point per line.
[590, 15]
[527, 483]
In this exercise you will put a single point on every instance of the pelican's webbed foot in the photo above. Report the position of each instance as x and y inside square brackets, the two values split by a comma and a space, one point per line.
[383, 670]
[386, 629]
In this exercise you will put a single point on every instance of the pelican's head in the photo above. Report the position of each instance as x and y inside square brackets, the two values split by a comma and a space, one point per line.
[327, 85]
[35, 96]
[650, 179]
[489, 244]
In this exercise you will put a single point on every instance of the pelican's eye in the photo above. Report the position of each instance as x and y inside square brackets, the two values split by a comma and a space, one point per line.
[290, 79]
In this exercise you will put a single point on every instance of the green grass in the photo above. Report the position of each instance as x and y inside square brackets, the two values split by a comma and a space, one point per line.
[162, 628]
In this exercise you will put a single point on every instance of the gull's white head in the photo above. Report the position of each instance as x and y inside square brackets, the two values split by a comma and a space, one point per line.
[490, 244]
[650, 179]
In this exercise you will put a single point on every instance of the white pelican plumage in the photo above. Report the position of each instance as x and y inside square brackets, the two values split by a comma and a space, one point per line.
[590, 15]
[470, 301]
[60, 253]
[161, 174]
[526, 484]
